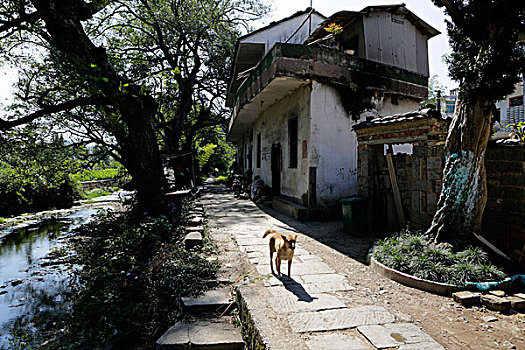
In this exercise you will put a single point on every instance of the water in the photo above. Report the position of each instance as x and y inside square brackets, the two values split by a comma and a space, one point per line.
[33, 287]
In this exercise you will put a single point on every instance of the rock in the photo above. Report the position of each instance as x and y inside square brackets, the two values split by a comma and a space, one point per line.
[193, 240]
[489, 319]
[516, 303]
[2, 292]
[466, 298]
[495, 303]
[16, 282]
[508, 345]
[497, 293]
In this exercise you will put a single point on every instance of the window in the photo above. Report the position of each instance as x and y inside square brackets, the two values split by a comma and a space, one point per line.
[258, 150]
[292, 138]
[516, 101]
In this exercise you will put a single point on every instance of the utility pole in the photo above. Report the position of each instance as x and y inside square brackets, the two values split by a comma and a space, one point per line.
[310, 20]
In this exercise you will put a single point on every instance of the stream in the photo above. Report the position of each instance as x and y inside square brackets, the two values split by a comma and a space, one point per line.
[35, 270]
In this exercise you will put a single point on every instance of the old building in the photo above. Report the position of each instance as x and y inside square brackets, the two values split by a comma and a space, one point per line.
[293, 111]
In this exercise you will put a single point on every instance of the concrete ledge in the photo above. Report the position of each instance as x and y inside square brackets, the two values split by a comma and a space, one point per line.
[291, 209]
[412, 281]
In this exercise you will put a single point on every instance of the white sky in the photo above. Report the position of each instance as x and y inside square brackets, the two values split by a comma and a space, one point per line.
[424, 9]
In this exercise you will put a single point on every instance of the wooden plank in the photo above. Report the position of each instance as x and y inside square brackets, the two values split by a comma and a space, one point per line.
[395, 188]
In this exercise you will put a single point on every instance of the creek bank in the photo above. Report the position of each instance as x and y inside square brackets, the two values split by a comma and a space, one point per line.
[36, 266]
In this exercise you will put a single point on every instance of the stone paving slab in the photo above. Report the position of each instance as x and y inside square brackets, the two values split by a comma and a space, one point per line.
[394, 334]
[290, 303]
[422, 346]
[339, 319]
[326, 283]
[298, 269]
[211, 300]
[336, 342]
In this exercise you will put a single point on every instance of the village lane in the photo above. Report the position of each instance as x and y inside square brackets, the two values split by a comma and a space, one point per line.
[334, 300]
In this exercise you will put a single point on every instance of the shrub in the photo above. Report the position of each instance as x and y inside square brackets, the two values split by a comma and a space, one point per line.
[415, 254]
[131, 282]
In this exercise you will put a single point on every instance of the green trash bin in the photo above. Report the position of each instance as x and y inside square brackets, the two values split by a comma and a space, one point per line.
[354, 215]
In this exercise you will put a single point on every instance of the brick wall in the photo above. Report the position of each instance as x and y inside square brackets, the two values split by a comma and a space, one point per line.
[504, 217]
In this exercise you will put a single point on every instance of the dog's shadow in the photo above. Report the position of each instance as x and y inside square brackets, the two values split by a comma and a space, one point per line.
[296, 288]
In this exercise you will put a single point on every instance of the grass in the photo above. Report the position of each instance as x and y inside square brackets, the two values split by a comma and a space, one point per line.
[415, 254]
[98, 174]
[98, 192]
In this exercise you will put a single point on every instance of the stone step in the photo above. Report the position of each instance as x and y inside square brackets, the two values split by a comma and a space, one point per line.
[213, 301]
[193, 240]
[190, 229]
[291, 209]
[195, 221]
[216, 334]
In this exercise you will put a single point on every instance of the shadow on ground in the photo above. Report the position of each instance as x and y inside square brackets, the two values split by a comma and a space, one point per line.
[329, 233]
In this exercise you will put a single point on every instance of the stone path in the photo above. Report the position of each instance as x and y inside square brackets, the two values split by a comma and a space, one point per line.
[310, 310]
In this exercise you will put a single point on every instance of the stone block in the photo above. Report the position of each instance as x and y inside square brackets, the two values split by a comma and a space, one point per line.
[217, 300]
[199, 229]
[193, 240]
[466, 298]
[434, 163]
[517, 304]
[195, 221]
[495, 303]
[336, 342]
[394, 334]
[202, 334]
[497, 293]
[291, 303]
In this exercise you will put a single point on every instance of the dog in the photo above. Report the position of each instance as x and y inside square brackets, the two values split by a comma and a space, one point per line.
[284, 246]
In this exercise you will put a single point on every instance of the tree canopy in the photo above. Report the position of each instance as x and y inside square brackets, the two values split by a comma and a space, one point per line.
[487, 59]
[133, 76]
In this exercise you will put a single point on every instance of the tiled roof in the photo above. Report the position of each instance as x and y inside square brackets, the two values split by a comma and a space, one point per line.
[399, 118]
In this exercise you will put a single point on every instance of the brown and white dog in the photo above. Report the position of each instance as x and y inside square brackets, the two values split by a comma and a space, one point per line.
[284, 246]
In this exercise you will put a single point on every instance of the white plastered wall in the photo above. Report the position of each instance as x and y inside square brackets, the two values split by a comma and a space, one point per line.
[273, 126]
[333, 147]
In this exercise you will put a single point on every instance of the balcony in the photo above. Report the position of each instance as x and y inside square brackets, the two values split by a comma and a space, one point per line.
[286, 67]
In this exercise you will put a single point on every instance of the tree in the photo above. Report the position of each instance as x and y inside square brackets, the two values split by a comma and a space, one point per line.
[57, 27]
[487, 60]
[125, 74]
[433, 87]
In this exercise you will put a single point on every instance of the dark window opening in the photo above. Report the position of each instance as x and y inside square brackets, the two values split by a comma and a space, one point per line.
[516, 101]
[258, 150]
[293, 137]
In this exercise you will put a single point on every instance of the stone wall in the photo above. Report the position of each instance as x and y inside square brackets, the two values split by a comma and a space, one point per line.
[504, 217]
[419, 180]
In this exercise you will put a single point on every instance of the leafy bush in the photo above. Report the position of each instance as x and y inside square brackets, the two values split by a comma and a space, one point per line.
[131, 282]
[415, 254]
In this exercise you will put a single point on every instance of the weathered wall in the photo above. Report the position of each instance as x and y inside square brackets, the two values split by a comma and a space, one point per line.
[395, 42]
[504, 217]
[282, 31]
[332, 147]
[273, 126]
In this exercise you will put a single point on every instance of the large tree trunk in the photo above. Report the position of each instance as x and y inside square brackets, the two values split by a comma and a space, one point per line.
[464, 191]
[63, 22]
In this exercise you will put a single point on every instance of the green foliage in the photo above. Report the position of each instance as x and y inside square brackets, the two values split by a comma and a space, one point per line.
[131, 283]
[486, 57]
[34, 171]
[218, 161]
[433, 87]
[415, 254]
[97, 174]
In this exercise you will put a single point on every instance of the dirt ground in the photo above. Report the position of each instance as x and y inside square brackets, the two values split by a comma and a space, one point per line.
[450, 324]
